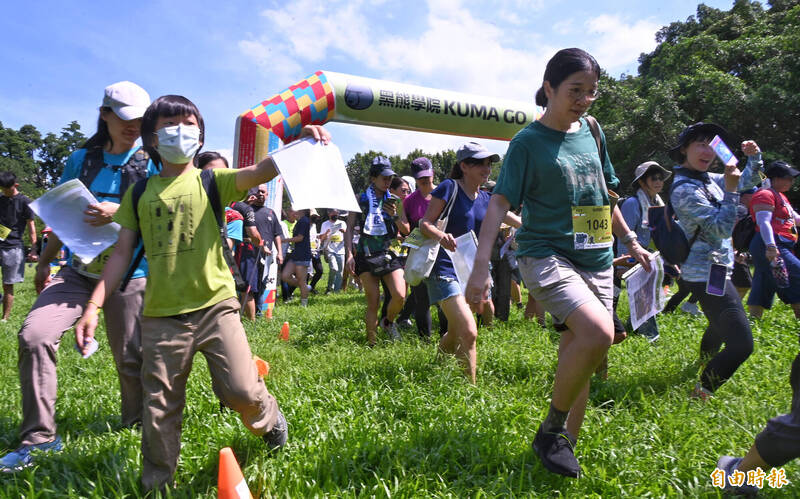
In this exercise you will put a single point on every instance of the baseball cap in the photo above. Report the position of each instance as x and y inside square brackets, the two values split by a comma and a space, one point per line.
[781, 169]
[645, 167]
[381, 166]
[691, 132]
[475, 151]
[422, 167]
[127, 99]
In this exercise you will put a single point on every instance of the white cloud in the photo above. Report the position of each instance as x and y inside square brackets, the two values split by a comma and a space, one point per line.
[564, 27]
[616, 42]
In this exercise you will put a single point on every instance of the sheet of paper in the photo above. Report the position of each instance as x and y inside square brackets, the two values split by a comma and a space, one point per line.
[645, 298]
[315, 176]
[62, 209]
[464, 257]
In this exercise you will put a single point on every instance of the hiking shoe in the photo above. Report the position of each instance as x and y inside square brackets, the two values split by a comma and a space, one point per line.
[729, 464]
[700, 393]
[557, 452]
[691, 308]
[24, 455]
[391, 330]
[277, 436]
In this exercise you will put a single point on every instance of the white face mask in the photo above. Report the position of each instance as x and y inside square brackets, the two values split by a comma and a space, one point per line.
[178, 144]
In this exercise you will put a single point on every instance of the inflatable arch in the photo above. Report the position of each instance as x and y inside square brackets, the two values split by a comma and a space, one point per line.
[326, 96]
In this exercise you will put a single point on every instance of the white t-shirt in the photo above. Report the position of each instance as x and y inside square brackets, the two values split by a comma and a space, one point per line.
[336, 237]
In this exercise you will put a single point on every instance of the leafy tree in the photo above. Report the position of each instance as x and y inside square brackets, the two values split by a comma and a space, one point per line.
[37, 162]
[739, 68]
[54, 151]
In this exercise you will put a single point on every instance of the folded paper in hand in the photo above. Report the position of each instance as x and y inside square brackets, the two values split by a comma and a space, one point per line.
[62, 209]
[315, 176]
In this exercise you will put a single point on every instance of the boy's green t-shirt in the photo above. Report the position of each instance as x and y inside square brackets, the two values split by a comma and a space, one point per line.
[181, 240]
[548, 172]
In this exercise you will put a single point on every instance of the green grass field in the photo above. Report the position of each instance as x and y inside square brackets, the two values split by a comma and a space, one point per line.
[395, 421]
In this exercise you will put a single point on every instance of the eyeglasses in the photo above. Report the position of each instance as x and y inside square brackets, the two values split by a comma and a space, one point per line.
[656, 178]
[576, 93]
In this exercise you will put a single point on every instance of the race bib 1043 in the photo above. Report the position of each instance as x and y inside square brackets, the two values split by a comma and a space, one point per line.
[591, 226]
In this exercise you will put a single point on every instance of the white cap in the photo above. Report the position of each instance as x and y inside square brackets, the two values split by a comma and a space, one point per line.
[128, 100]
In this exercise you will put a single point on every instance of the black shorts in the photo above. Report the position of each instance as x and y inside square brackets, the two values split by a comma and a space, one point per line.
[363, 266]
[250, 268]
[741, 275]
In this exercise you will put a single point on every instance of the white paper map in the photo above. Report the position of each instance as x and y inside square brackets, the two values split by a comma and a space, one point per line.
[62, 209]
[464, 257]
[315, 176]
[645, 297]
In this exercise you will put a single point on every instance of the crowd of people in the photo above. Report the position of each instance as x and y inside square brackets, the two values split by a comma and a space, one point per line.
[185, 213]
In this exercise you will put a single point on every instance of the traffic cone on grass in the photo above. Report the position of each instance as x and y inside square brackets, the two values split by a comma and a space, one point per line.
[230, 481]
[285, 331]
[261, 365]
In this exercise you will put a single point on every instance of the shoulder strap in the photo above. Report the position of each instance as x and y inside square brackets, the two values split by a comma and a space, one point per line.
[138, 189]
[92, 164]
[594, 127]
[450, 202]
[210, 186]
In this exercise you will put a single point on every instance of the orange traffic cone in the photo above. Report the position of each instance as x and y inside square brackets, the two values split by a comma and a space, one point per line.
[230, 481]
[285, 331]
[269, 312]
[261, 365]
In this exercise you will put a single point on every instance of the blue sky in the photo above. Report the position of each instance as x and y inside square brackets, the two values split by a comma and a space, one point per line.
[228, 56]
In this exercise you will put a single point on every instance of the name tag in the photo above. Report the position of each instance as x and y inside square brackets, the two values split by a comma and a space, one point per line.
[95, 267]
[337, 238]
[591, 227]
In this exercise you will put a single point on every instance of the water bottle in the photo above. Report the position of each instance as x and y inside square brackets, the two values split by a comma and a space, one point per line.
[780, 273]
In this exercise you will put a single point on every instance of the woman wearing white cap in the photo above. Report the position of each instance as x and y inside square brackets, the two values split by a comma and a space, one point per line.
[107, 164]
[474, 164]
[648, 182]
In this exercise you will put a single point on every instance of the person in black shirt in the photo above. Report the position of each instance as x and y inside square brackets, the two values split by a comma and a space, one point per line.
[267, 224]
[15, 214]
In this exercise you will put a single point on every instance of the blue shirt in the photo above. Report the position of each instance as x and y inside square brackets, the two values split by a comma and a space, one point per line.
[466, 215]
[109, 179]
[302, 250]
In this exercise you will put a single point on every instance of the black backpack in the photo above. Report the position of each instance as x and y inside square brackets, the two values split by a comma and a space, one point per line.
[134, 170]
[667, 235]
[743, 233]
[210, 186]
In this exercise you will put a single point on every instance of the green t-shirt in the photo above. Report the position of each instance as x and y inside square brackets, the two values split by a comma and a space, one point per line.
[181, 240]
[548, 172]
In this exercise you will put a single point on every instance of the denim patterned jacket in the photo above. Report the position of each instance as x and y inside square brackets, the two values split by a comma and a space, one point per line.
[715, 218]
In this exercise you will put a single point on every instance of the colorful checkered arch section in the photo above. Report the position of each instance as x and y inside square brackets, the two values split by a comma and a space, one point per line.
[308, 102]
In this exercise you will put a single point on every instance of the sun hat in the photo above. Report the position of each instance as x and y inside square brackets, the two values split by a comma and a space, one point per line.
[646, 167]
[692, 131]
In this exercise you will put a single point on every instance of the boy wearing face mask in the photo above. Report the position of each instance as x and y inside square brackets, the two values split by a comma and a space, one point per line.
[190, 302]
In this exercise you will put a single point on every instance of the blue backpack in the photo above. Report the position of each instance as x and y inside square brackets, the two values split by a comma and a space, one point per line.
[667, 235]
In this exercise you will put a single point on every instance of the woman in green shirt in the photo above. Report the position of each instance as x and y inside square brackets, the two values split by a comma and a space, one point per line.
[553, 169]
